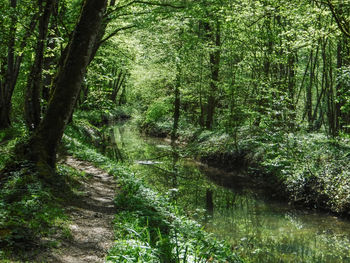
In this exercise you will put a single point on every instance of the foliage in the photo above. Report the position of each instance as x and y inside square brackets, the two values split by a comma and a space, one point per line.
[312, 169]
[8, 139]
[29, 209]
[148, 220]
[344, 81]
[268, 79]
[148, 227]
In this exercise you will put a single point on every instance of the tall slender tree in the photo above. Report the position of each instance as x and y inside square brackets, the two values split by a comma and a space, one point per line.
[34, 83]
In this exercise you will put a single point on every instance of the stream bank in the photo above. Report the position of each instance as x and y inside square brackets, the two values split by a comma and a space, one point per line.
[308, 170]
[259, 229]
[148, 225]
[70, 219]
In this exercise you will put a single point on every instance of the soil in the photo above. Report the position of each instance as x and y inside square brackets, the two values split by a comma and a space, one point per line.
[91, 216]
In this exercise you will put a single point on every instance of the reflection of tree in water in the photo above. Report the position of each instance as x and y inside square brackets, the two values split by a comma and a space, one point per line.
[183, 176]
[120, 130]
[252, 224]
[209, 202]
[110, 145]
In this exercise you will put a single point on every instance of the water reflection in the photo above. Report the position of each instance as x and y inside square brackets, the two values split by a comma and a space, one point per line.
[259, 230]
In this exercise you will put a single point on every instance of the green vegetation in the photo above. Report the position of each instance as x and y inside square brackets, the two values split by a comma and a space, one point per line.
[32, 211]
[148, 226]
[150, 230]
[258, 229]
[308, 169]
[261, 87]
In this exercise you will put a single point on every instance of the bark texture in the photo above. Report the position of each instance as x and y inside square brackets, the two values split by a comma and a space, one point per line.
[10, 65]
[8, 84]
[42, 146]
[214, 69]
[34, 84]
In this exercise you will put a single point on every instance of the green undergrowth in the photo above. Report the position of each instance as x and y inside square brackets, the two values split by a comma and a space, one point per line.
[31, 210]
[163, 127]
[314, 169]
[148, 227]
[8, 139]
[32, 214]
[103, 115]
[310, 168]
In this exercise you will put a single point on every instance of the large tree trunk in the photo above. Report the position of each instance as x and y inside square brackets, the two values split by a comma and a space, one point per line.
[42, 146]
[34, 84]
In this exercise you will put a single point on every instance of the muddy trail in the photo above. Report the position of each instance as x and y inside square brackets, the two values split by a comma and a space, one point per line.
[91, 216]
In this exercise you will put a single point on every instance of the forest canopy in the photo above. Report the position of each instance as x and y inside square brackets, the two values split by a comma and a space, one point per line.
[268, 63]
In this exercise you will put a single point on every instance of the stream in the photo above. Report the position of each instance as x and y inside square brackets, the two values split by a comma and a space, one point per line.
[257, 228]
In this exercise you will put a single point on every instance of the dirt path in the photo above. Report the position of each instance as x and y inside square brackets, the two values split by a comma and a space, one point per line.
[91, 217]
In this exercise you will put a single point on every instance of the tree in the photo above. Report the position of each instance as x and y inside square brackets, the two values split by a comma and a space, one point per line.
[10, 64]
[34, 83]
[42, 146]
[340, 13]
[214, 36]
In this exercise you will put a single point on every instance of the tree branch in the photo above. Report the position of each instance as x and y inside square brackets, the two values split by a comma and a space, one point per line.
[115, 32]
[159, 4]
[342, 26]
[146, 3]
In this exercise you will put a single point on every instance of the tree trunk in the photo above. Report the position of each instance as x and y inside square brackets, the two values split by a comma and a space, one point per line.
[42, 146]
[117, 85]
[100, 34]
[9, 84]
[34, 84]
[201, 106]
[176, 107]
[214, 68]
[50, 62]
[291, 115]
[12, 65]
[122, 98]
[309, 95]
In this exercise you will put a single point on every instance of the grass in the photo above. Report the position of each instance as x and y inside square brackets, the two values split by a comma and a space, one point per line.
[31, 210]
[8, 139]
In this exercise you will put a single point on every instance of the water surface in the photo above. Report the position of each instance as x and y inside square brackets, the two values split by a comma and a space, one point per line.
[258, 229]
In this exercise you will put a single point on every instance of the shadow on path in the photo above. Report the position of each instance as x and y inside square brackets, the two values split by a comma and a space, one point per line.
[91, 217]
